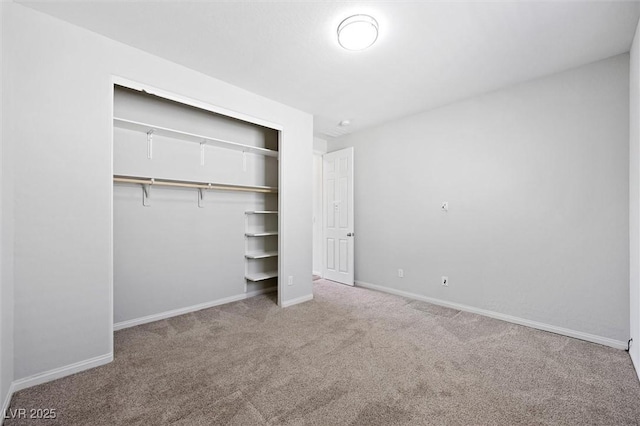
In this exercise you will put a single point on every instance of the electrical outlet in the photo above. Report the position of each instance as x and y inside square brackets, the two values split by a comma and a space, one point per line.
[445, 206]
[445, 281]
[290, 280]
[401, 273]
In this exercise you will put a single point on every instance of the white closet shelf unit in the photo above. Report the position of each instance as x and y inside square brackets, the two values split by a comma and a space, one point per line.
[123, 123]
[262, 253]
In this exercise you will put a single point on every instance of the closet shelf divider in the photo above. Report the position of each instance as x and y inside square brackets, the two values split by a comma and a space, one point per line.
[261, 276]
[260, 234]
[261, 254]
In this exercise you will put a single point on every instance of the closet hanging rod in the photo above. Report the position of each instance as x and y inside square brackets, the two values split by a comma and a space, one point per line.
[189, 184]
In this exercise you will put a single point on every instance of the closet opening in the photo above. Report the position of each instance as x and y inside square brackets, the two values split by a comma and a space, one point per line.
[195, 207]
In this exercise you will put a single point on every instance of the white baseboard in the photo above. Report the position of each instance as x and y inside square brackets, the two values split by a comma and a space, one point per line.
[297, 300]
[7, 402]
[189, 309]
[516, 320]
[60, 372]
[317, 273]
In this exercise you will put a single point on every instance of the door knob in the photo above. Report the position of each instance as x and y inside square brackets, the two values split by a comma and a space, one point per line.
[351, 234]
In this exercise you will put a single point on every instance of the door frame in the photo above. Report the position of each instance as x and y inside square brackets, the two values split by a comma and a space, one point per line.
[318, 198]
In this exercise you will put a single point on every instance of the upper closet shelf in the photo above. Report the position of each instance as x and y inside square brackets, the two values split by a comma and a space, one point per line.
[190, 137]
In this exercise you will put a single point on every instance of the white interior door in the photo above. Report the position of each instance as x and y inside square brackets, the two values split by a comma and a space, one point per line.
[338, 235]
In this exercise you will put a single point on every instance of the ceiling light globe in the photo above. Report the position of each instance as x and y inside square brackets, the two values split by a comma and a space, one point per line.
[357, 32]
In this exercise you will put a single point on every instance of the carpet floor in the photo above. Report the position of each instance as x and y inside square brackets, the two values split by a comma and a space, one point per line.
[349, 357]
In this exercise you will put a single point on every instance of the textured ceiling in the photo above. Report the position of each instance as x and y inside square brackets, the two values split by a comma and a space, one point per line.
[428, 54]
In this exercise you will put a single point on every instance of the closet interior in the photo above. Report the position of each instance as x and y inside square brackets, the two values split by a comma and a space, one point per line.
[195, 202]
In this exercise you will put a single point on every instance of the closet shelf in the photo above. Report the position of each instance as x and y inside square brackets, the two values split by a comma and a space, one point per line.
[261, 255]
[190, 137]
[261, 212]
[190, 184]
[261, 276]
[260, 234]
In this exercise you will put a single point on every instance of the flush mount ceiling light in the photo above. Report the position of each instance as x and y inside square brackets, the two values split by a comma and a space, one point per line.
[357, 32]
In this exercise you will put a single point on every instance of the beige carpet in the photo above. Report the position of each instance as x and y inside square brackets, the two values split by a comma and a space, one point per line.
[349, 357]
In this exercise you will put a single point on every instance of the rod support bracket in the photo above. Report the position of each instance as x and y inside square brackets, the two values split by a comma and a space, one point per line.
[201, 197]
[146, 193]
[201, 192]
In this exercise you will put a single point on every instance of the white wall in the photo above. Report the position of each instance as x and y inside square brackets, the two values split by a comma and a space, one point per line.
[61, 100]
[537, 180]
[319, 145]
[6, 245]
[634, 199]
